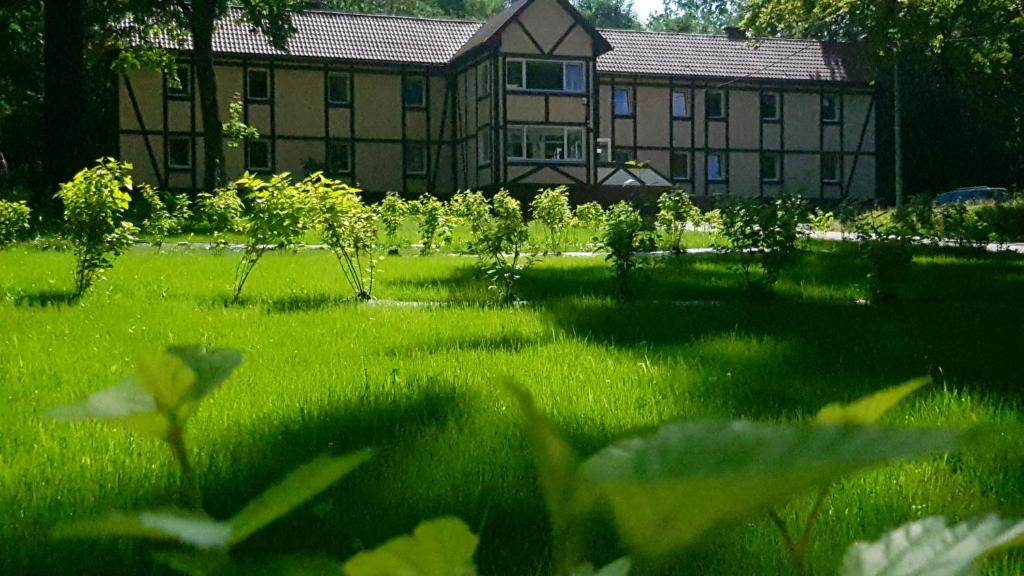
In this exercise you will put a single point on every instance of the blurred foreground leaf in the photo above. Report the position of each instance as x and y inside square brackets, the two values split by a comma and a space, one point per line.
[931, 547]
[441, 547]
[620, 567]
[190, 528]
[869, 409]
[668, 488]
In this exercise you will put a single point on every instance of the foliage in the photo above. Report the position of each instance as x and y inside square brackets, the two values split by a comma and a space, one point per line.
[764, 233]
[609, 13]
[1004, 220]
[348, 227]
[222, 211]
[157, 219]
[441, 547]
[14, 219]
[675, 212]
[886, 245]
[95, 203]
[551, 208]
[822, 220]
[958, 224]
[590, 214]
[472, 210]
[624, 234]
[277, 218]
[699, 16]
[501, 244]
[236, 131]
[392, 211]
[435, 225]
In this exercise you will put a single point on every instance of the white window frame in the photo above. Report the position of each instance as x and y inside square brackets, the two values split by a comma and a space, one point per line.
[777, 157]
[606, 145]
[170, 160]
[348, 88]
[526, 81]
[418, 171]
[722, 167]
[423, 93]
[685, 94]
[524, 129]
[248, 85]
[248, 156]
[724, 109]
[689, 160]
[348, 156]
[483, 147]
[778, 110]
[837, 164]
[837, 107]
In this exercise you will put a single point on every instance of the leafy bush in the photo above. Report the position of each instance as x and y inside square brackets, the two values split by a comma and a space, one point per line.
[435, 227]
[710, 221]
[348, 227]
[762, 233]
[392, 211]
[590, 214]
[221, 211]
[276, 218]
[235, 129]
[1004, 221]
[501, 242]
[960, 225]
[95, 203]
[551, 208]
[821, 220]
[14, 219]
[472, 210]
[886, 245]
[624, 234]
[675, 211]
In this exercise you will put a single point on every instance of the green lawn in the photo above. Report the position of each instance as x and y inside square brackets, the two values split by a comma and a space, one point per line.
[423, 385]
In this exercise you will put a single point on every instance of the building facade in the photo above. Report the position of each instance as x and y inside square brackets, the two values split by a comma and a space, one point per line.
[534, 97]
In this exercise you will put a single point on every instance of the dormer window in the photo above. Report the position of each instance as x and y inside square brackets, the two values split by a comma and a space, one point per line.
[545, 76]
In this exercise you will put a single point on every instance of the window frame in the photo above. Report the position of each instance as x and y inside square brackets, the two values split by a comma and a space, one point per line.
[630, 105]
[249, 166]
[524, 159]
[723, 166]
[409, 171]
[484, 140]
[777, 106]
[837, 108]
[483, 81]
[348, 156]
[186, 83]
[606, 144]
[171, 164]
[526, 79]
[837, 165]
[689, 166]
[248, 85]
[422, 104]
[777, 158]
[348, 89]
[687, 109]
[724, 107]
[628, 151]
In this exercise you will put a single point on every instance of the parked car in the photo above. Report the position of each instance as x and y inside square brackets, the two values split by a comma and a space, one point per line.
[972, 195]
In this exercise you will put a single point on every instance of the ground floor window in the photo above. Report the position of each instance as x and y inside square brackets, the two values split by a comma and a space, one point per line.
[416, 159]
[483, 147]
[830, 167]
[549, 143]
[716, 167]
[258, 156]
[604, 150]
[680, 165]
[179, 152]
[771, 167]
[622, 155]
[339, 157]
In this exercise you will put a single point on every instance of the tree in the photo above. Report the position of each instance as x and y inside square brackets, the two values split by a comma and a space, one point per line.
[698, 16]
[609, 13]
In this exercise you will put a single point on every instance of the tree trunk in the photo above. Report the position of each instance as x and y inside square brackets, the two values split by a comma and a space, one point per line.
[64, 70]
[203, 21]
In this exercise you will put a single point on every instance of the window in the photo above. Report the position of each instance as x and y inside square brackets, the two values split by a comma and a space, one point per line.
[179, 152]
[680, 165]
[338, 88]
[771, 168]
[830, 108]
[622, 155]
[414, 92]
[258, 157]
[483, 147]
[545, 75]
[339, 157]
[830, 167]
[715, 105]
[716, 167]
[769, 106]
[416, 159]
[623, 102]
[680, 104]
[258, 84]
[483, 79]
[545, 143]
[184, 85]
[604, 150]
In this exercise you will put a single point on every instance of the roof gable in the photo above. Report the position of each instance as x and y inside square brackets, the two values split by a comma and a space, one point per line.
[496, 25]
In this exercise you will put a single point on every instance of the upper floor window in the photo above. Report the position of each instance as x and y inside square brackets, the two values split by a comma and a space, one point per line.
[545, 75]
[545, 143]
[483, 79]
[714, 104]
[769, 106]
[680, 104]
[414, 92]
[182, 88]
[623, 102]
[339, 88]
[258, 84]
[830, 108]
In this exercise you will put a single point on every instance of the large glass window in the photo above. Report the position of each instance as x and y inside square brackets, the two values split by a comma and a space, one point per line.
[545, 75]
[680, 104]
[414, 92]
[623, 102]
[545, 143]
[258, 85]
[338, 88]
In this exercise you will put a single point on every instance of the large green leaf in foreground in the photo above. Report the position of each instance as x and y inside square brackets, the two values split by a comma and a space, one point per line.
[931, 547]
[871, 408]
[668, 488]
[441, 547]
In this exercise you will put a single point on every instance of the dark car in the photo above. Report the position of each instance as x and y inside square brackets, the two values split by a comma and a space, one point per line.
[973, 195]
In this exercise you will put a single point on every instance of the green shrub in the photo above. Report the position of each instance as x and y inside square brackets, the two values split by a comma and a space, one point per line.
[675, 212]
[821, 220]
[221, 211]
[501, 242]
[960, 225]
[624, 234]
[590, 215]
[348, 227]
[14, 219]
[95, 203]
[472, 210]
[551, 208]
[392, 211]
[762, 233]
[1004, 221]
[435, 225]
[276, 218]
[886, 245]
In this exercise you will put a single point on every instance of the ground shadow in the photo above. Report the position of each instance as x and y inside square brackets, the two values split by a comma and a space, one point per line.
[48, 298]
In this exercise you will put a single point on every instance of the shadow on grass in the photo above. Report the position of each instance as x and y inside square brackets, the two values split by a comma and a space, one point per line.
[292, 303]
[48, 298]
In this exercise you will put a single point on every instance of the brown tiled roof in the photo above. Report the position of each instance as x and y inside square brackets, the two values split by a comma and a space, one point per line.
[498, 22]
[672, 54]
